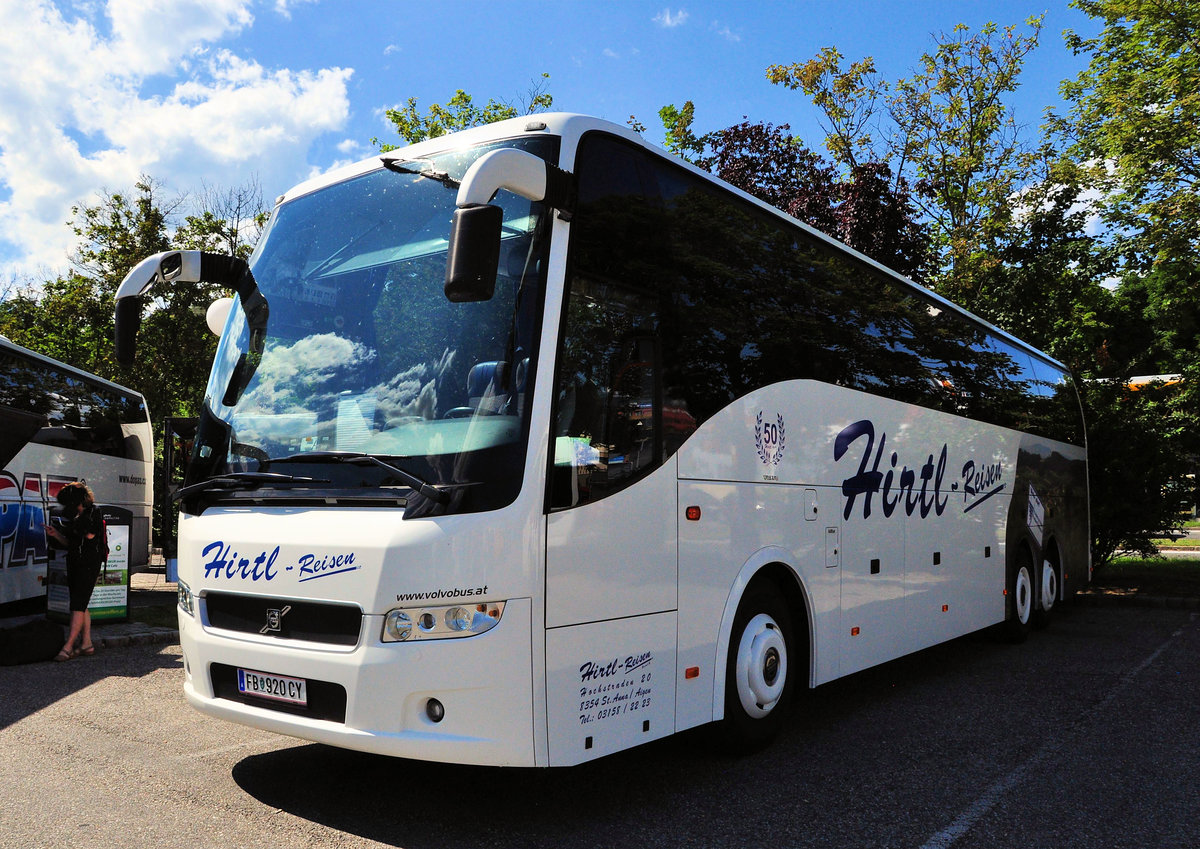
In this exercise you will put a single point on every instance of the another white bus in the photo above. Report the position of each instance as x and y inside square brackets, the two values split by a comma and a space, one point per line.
[530, 444]
[59, 424]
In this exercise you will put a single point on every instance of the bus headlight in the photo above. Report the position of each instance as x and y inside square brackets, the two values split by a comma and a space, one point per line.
[440, 623]
[186, 600]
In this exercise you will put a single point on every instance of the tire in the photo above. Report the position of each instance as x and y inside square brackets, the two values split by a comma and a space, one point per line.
[760, 670]
[1021, 599]
[1049, 580]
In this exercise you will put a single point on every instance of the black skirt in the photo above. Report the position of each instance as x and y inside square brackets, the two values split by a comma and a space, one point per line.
[81, 580]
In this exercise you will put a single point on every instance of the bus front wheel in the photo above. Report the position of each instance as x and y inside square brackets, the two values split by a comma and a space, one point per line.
[759, 674]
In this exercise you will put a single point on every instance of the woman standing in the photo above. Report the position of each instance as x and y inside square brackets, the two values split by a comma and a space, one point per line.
[82, 536]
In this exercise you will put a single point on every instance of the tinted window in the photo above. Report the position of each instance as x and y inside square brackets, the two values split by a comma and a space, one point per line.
[72, 412]
[738, 299]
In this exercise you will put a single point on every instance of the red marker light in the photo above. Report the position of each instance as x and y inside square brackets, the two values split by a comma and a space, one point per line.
[692, 672]
[693, 514]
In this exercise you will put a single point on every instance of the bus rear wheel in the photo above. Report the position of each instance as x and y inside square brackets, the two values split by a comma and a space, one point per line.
[759, 674]
[1021, 598]
[1048, 587]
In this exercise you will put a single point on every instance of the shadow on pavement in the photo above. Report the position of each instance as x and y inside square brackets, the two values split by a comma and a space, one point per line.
[27, 689]
[675, 791]
[423, 805]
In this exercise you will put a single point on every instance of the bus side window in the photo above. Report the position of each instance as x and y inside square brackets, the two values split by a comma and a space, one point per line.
[607, 431]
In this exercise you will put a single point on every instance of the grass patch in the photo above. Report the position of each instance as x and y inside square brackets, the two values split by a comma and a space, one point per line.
[1185, 542]
[1175, 577]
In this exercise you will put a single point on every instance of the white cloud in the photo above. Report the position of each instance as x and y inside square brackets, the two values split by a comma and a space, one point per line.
[611, 54]
[725, 32]
[670, 20]
[284, 7]
[153, 38]
[88, 104]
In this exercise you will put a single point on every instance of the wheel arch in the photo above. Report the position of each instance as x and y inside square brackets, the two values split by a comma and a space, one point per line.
[1013, 557]
[1053, 551]
[771, 565]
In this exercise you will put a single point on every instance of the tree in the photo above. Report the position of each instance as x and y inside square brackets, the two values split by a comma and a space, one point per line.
[1139, 486]
[1136, 118]
[461, 113]
[679, 138]
[848, 101]
[867, 209]
[71, 318]
[949, 130]
[1044, 282]
[1135, 122]
[228, 221]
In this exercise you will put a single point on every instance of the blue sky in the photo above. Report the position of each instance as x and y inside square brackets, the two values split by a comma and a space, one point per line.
[213, 93]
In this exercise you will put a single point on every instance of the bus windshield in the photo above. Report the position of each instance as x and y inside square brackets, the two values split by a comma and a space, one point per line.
[365, 355]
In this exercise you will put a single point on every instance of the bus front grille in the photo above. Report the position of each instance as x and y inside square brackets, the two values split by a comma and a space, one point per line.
[285, 619]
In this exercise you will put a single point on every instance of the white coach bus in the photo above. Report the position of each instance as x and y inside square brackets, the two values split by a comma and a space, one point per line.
[59, 424]
[530, 444]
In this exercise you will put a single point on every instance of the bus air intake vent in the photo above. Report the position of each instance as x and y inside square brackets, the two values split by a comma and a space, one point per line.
[285, 619]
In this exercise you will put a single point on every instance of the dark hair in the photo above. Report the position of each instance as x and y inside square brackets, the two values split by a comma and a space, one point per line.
[74, 494]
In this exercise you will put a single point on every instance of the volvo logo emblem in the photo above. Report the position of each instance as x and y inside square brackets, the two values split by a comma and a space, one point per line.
[275, 619]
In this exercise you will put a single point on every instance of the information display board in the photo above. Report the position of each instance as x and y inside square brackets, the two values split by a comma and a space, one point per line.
[110, 599]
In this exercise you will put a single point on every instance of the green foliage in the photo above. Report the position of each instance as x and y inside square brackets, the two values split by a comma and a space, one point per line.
[1136, 118]
[848, 101]
[71, 318]
[1135, 126]
[679, 138]
[67, 319]
[948, 129]
[461, 113]
[1140, 485]
[959, 135]
[1042, 278]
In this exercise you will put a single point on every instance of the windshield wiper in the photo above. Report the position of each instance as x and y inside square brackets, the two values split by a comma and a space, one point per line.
[404, 166]
[427, 489]
[244, 480]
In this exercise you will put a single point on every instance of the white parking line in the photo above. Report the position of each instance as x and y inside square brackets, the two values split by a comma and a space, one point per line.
[974, 812]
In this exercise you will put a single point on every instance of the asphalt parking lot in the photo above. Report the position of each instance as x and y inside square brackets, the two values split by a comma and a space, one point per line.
[1087, 735]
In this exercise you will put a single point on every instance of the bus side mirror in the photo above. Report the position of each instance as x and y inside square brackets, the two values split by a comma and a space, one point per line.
[473, 256]
[190, 267]
[128, 320]
[167, 266]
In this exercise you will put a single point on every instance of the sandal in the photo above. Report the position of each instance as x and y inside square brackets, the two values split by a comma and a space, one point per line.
[63, 654]
[86, 651]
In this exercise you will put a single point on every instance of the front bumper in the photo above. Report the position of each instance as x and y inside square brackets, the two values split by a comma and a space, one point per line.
[484, 682]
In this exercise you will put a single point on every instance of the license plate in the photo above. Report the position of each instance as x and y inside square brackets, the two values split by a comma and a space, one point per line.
[280, 688]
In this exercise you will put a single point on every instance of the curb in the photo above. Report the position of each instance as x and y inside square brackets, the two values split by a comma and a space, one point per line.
[138, 638]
